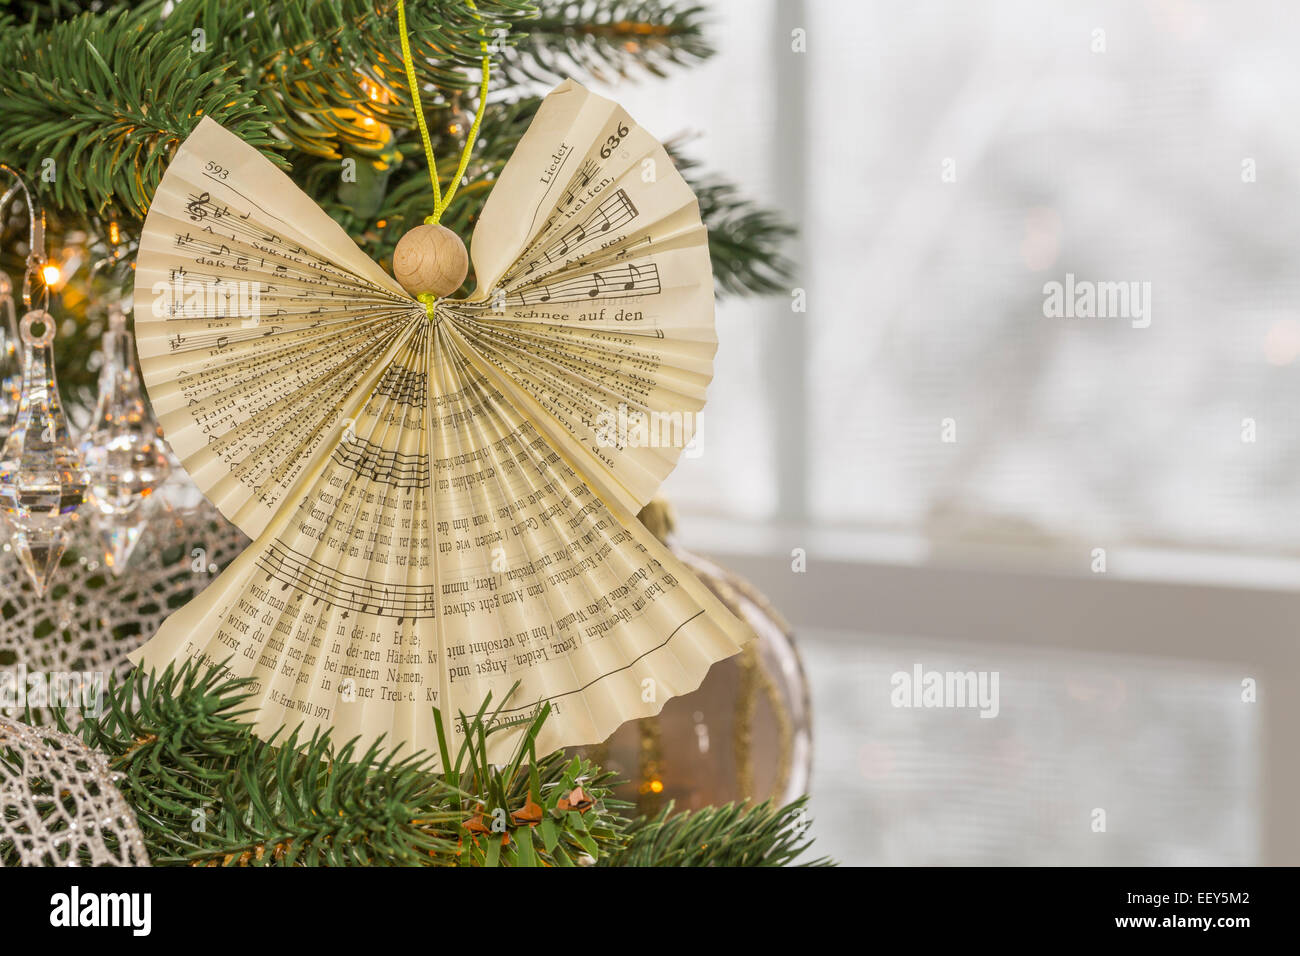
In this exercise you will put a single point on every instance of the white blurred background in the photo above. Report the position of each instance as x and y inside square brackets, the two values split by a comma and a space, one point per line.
[943, 161]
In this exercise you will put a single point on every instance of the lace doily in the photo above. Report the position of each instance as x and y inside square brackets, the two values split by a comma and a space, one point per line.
[91, 619]
[59, 805]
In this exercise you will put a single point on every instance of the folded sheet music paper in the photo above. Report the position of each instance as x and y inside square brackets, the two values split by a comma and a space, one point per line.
[442, 502]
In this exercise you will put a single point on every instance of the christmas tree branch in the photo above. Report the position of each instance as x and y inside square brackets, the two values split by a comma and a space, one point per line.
[93, 107]
[606, 39]
[730, 835]
[96, 105]
[313, 59]
[208, 792]
[745, 240]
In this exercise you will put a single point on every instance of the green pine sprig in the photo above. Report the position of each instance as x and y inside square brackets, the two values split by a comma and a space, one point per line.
[93, 107]
[607, 39]
[208, 792]
[730, 835]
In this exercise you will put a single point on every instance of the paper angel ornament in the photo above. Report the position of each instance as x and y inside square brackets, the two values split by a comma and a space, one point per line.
[442, 493]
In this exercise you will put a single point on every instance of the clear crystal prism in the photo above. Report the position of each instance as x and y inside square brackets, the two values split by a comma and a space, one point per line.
[11, 366]
[119, 534]
[125, 457]
[42, 478]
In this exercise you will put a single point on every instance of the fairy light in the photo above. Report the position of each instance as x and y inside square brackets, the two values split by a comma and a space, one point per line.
[50, 273]
[374, 92]
[376, 134]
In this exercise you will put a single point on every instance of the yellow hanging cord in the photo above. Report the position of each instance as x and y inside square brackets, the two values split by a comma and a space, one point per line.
[441, 202]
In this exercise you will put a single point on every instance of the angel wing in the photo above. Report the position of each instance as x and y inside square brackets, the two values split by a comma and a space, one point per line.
[444, 505]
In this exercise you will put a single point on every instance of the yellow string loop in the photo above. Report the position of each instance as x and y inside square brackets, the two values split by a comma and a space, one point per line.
[441, 202]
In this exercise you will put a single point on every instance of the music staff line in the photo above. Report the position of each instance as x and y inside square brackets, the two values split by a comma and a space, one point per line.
[618, 282]
[251, 319]
[613, 212]
[296, 336]
[368, 460]
[282, 266]
[314, 580]
[191, 290]
[201, 206]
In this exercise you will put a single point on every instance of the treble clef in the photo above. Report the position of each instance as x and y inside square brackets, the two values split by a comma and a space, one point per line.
[196, 207]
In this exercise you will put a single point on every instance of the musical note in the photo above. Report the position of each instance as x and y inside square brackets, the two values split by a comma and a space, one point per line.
[342, 590]
[610, 283]
[614, 211]
[634, 273]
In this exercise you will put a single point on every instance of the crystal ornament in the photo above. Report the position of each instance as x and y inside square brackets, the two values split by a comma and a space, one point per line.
[42, 478]
[11, 367]
[123, 449]
[99, 618]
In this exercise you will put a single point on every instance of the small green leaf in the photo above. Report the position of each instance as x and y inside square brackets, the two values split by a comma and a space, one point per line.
[524, 847]
[549, 835]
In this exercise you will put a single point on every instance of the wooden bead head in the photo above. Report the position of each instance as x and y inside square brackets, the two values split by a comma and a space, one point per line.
[430, 259]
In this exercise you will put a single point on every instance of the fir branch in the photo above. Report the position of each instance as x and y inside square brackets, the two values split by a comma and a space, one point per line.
[745, 239]
[546, 829]
[94, 107]
[207, 791]
[311, 60]
[730, 835]
[173, 736]
[303, 804]
[607, 39]
[45, 12]
[108, 97]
